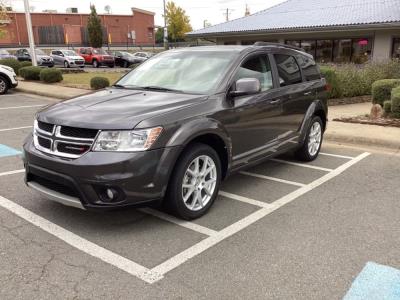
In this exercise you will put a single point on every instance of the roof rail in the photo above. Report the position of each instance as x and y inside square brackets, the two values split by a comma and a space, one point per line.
[277, 44]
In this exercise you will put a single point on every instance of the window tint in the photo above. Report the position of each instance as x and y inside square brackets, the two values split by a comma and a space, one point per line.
[288, 70]
[256, 67]
[309, 68]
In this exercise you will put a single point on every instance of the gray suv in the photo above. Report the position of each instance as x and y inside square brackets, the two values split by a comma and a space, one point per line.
[174, 127]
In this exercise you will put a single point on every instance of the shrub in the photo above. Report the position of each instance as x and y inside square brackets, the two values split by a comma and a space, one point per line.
[382, 89]
[387, 106]
[330, 76]
[25, 64]
[12, 63]
[396, 101]
[30, 73]
[51, 75]
[99, 82]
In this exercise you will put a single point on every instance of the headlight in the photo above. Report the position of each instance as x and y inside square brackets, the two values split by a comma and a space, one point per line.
[128, 141]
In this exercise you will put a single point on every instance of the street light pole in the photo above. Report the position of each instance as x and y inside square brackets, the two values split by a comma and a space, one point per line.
[30, 32]
[165, 28]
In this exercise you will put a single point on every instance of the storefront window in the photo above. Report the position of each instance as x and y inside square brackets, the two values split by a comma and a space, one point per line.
[396, 48]
[342, 51]
[324, 51]
[361, 51]
[308, 46]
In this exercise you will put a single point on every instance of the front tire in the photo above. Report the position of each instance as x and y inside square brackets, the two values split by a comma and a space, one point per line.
[312, 145]
[66, 64]
[4, 86]
[194, 182]
[96, 64]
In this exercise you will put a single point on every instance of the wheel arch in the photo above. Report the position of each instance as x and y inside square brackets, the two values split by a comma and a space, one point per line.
[317, 108]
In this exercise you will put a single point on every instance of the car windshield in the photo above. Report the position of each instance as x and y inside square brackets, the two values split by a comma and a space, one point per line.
[39, 52]
[4, 52]
[69, 53]
[99, 51]
[126, 54]
[196, 72]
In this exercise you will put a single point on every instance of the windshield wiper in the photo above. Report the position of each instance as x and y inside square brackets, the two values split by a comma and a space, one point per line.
[127, 86]
[160, 88]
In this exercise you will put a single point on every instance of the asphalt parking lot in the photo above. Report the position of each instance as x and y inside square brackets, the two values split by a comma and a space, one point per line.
[281, 230]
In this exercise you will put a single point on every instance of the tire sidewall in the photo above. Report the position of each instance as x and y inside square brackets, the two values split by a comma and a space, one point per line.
[6, 83]
[174, 194]
[313, 121]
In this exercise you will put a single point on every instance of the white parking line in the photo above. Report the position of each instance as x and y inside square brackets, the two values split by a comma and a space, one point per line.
[25, 106]
[273, 179]
[186, 224]
[205, 244]
[15, 128]
[12, 172]
[300, 165]
[244, 199]
[81, 243]
[336, 155]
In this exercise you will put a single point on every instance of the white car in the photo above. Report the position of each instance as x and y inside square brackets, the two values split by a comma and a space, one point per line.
[8, 79]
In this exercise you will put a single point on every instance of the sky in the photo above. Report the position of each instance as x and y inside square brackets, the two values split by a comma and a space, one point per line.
[211, 10]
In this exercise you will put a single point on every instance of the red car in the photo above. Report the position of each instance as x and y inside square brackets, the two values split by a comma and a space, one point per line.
[96, 57]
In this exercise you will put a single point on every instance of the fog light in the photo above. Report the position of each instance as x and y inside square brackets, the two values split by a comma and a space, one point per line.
[111, 193]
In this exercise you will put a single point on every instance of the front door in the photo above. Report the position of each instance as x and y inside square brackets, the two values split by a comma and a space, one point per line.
[253, 121]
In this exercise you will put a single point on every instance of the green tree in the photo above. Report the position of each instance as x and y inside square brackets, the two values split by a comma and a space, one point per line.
[94, 28]
[160, 35]
[177, 21]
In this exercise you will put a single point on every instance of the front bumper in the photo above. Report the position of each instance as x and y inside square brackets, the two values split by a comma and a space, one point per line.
[138, 178]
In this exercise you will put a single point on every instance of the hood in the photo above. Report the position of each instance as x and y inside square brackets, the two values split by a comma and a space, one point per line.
[8, 56]
[115, 108]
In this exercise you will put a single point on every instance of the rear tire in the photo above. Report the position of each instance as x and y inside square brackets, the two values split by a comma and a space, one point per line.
[313, 141]
[4, 86]
[194, 183]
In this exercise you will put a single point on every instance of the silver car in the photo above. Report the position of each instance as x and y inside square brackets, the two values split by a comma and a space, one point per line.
[67, 58]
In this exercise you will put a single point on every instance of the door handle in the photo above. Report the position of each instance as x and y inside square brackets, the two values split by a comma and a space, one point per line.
[307, 93]
[276, 101]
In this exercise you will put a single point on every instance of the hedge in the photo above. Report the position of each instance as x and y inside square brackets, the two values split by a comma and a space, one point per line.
[387, 106]
[51, 75]
[381, 90]
[30, 73]
[396, 100]
[99, 82]
[25, 64]
[12, 63]
[351, 80]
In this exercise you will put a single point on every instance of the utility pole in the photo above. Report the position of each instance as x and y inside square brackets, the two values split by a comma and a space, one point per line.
[30, 32]
[227, 13]
[165, 28]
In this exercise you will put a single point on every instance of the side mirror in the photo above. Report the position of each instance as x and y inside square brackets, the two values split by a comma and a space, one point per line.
[246, 86]
[62, 55]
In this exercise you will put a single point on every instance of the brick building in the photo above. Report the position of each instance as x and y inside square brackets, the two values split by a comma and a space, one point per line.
[51, 28]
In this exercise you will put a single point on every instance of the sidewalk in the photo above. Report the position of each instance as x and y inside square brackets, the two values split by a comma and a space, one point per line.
[370, 135]
[49, 90]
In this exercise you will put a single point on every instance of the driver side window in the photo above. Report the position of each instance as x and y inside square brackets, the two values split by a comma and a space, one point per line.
[257, 67]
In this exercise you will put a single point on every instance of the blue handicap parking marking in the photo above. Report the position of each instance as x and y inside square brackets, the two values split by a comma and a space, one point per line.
[8, 151]
[375, 282]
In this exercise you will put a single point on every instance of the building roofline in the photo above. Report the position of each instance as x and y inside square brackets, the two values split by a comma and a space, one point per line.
[85, 14]
[143, 11]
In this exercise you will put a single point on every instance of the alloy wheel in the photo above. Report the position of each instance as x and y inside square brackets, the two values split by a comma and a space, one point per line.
[199, 182]
[314, 138]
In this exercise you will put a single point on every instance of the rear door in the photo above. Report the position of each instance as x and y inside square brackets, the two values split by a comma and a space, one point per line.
[296, 93]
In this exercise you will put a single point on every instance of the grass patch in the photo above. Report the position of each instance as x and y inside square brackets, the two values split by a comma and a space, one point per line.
[82, 80]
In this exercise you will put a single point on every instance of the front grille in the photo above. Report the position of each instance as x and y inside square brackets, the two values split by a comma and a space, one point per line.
[76, 149]
[64, 141]
[45, 126]
[79, 62]
[75, 132]
[43, 142]
[55, 186]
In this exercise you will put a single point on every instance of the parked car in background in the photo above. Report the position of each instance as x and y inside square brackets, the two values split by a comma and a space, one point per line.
[67, 58]
[5, 54]
[8, 79]
[124, 59]
[142, 56]
[96, 57]
[43, 60]
[178, 124]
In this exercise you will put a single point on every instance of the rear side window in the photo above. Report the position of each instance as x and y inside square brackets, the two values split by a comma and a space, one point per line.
[309, 67]
[288, 70]
[256, 67]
